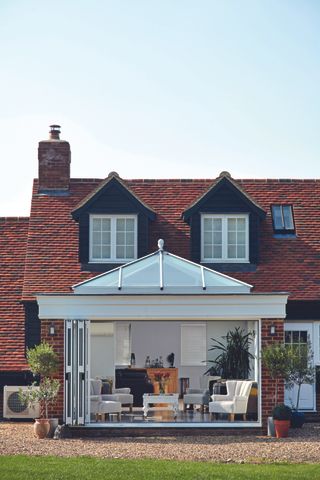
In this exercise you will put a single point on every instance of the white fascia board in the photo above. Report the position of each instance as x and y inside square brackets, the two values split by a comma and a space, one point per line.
[167, 290]
[157, 307]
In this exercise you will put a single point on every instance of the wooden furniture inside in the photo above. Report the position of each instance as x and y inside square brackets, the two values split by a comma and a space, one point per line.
[172, 385]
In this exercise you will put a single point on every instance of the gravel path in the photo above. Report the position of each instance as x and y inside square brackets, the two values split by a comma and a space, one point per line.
[302, 446]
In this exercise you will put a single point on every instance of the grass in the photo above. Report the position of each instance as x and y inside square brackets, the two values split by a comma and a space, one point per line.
[56, 468]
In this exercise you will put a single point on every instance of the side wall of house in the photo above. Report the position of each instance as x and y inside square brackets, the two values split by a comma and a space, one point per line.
[57, 342]
[267, 384]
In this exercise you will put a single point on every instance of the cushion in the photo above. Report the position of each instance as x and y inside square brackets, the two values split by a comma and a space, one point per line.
[106, 387]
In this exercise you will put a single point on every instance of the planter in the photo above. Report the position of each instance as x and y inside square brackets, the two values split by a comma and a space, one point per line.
[297, 419]
[54, 422]
[41, 427]
[281, 428]
[271, 429]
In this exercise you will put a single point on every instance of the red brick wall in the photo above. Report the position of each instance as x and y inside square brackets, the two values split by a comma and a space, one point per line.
[267, 384]
[57, 341]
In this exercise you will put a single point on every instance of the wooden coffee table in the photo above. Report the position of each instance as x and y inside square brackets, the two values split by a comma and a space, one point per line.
[170, 399]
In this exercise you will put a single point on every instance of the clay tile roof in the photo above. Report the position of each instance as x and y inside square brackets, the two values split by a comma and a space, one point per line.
[286, 264]
[13, 243]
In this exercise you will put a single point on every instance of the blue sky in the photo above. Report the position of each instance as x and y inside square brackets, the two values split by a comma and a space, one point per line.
[157, 89]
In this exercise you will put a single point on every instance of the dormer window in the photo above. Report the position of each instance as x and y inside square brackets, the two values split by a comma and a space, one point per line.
[225, 238]
[282, 218]
[113, 238]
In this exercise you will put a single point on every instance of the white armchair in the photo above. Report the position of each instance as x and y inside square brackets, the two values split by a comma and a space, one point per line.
[234, 402]
[99, 405]
[199, 396]
[121, 395]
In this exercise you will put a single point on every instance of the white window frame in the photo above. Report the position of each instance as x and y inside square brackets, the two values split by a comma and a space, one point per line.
[202, 353]
[224, 258]
[113, 218]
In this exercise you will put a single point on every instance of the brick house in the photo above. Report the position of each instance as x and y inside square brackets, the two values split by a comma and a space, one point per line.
[85, 273]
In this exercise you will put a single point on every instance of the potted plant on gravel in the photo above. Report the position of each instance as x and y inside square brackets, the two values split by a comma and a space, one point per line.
[276, 359]
[43, 362]
[281, 415]
[301, 372]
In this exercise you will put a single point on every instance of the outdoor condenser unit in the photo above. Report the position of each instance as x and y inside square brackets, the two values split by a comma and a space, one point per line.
[13, 407]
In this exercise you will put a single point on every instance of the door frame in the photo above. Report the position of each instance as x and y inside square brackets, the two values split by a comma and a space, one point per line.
[76, 372]
[303, 325]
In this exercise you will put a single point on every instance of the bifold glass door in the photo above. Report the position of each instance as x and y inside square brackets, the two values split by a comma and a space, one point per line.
[76, 371]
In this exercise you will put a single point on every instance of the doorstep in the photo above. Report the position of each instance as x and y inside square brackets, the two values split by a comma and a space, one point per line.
[125, 430]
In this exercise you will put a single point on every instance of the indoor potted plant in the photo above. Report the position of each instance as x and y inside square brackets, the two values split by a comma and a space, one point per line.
[301, 372]
[234, 356]
[276, 360]
[281, 415]
[43, 362]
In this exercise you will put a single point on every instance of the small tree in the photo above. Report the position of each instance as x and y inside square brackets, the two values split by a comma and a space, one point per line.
[43, 361]
[45, 394]
[301, 368]
[276, 358]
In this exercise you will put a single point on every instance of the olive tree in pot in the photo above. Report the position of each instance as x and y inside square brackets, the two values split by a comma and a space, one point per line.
[301, 372]
[43, 362]
[276, 359]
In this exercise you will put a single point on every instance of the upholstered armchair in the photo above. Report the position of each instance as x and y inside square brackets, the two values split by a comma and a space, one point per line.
[199, 396]
[100, 406]
[234, 402]
[122, 395]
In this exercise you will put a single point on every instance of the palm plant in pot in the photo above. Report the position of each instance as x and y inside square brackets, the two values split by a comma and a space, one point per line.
[234, 356]
[301, 372]
[43, 362]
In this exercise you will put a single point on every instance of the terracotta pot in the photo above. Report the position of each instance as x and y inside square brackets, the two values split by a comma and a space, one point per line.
[41, 427]
[281, 428]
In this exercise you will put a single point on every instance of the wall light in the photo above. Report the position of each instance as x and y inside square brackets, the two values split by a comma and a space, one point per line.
[272, 330]
[52, 330]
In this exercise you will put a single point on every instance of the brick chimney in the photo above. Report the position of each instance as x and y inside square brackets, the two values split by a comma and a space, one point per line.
[54, 157]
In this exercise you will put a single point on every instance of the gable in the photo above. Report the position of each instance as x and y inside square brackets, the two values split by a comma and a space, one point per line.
[112, 196]
[224, 196]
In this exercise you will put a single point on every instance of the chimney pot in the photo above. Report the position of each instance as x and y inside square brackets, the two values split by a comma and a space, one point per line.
[54, 133]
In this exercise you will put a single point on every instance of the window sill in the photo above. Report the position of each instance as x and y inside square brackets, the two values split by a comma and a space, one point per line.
[231, 267]
[224, 262]
[99, 267]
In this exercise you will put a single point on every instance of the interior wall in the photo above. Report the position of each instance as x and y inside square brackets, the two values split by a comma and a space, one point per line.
[160, 339]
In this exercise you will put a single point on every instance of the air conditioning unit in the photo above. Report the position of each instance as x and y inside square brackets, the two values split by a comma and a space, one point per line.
[13, 407]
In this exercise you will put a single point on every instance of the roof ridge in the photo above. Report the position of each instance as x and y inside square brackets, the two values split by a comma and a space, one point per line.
[194, 180]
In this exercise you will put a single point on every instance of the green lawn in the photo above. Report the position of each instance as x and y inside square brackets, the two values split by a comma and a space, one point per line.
[53, 468]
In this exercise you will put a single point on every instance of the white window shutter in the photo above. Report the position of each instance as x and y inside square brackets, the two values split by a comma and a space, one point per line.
[193, 344]
[122, 343]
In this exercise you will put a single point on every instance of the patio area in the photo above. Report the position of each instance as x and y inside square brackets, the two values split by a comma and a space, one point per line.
[302, 446]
